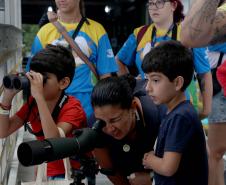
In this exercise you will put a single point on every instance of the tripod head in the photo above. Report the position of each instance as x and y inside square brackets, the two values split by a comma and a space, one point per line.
[89, 169]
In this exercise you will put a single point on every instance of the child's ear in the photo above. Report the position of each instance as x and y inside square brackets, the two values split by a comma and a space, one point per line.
[179, 82]
[134, 104]
[64, 83]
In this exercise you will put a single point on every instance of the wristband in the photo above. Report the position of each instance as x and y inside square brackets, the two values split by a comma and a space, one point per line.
[4, 112]
[5, 107]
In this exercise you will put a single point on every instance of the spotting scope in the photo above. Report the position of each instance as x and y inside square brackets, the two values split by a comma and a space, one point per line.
[36, 152]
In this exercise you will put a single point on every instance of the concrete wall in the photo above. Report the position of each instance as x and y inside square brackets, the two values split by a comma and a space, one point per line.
[10, 12]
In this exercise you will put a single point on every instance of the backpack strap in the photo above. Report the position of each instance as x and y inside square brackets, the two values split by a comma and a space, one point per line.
[141, 33]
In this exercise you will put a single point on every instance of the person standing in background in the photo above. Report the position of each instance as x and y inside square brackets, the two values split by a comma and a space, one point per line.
[204, 24]
[167, 17]
[92, 40]
[48, 108]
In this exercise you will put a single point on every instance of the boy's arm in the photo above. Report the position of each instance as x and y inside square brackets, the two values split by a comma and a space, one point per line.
[8, 124]
[166, 166]
[49, 126]
[204, 24]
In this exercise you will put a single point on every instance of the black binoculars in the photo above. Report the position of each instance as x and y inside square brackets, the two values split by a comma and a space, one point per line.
[18, 81]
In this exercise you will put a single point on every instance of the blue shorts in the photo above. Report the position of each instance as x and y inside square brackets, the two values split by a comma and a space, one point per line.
[218, 113]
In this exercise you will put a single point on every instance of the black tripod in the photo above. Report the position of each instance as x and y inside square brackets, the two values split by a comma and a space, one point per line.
[88, 169]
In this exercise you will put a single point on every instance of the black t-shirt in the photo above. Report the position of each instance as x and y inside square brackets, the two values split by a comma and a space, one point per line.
[181, 131]
[127, 155]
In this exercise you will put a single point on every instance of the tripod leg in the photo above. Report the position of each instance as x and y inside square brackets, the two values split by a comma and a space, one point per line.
[91, 180]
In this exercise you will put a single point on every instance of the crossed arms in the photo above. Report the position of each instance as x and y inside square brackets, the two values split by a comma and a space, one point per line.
[204, 24]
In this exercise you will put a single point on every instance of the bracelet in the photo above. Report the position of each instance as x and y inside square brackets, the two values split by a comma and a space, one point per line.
[5, 107]
[4, 112]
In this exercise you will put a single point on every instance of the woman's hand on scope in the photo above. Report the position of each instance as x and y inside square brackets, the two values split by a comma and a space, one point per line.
[140, 178]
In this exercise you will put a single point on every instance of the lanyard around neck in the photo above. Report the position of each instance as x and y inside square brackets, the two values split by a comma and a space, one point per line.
[83, 19]
[172, 28]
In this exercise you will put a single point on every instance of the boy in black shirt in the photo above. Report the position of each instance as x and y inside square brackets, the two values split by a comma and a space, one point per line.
[180, 156]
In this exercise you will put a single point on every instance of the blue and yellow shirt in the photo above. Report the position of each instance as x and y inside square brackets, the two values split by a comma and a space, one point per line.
[94, 42]
[131, 53]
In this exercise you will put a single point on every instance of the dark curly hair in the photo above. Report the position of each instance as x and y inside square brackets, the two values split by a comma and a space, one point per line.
[54, 59]
[172, 59]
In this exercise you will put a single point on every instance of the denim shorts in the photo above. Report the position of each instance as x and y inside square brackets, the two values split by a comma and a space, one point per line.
[218, 113]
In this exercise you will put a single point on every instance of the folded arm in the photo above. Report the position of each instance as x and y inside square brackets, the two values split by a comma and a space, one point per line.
[166, 166]
[204, 24]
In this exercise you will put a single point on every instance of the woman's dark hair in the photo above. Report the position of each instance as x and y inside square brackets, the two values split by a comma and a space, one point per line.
[178, 13]
[54, 59]
[172, 59]
[114, 91]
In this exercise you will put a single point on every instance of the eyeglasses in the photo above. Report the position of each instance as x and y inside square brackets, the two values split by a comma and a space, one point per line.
[157, 5]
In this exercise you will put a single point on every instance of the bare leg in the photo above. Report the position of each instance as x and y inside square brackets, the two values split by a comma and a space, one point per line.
[217, 148]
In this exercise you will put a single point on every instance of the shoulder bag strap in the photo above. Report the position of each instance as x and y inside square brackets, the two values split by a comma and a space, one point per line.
[74, 46]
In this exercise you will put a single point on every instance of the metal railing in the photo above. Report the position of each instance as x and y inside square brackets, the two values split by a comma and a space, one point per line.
[10, 61]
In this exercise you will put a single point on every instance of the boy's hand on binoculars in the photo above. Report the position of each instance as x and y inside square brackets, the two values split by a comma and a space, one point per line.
[36, 82]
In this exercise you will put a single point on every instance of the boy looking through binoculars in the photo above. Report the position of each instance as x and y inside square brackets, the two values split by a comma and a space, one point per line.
[48, 107]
